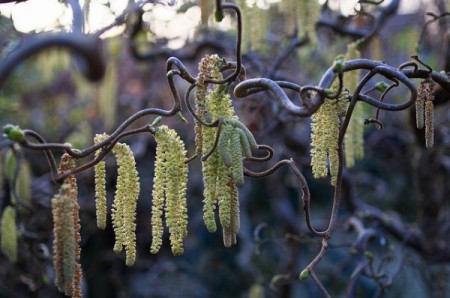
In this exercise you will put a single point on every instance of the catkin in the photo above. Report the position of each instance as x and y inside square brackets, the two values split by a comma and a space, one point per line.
[205, 68]
[101, 210]
[206, 10]
[9, 234]
[425, 110]
[354, 136]
[66, 227]
[308, 14]
[325, 137]
[420, 105]
[429, 124]
[223, 169]
[429, 114]
[169, 186]
[125, 202]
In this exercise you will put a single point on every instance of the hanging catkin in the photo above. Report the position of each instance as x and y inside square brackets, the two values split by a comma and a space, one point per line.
[169, 190]
[125, 202]
[354, 136]
[66, 227]
[9, 233]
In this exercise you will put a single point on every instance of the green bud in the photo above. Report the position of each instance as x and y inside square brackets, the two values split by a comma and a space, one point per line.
[368, 255]
[15, 134]
[381, 87]
[7, 128]
[304, 274]
[339, 63]
[171, 73]
[181, 117]
[156, 121]
[218, 15]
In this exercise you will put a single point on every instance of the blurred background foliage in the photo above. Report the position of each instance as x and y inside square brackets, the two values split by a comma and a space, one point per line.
[47, 94]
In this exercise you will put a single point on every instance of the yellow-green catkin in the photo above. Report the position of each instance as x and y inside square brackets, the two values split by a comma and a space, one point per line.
[260, 19]
[218, 104]
[354, 137]
[246, 13]
[325, 137]
[217, 176]
[289, 9]
[66, 227]
[204, 73]
[9, 234]
[10, 165]
[206, 9]
[101, 209]
[158, 193]
[125, 202]
[308, 12]
[169, 190]
[23, 183]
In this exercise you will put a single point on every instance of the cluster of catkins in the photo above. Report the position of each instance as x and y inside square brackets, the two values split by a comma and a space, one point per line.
[125, 199]
[223, 169]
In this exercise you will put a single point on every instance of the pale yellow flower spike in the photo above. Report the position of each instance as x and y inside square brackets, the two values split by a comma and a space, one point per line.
[308, 14]
[101, 210]
[246, 28]
[158, 193]
[333, 138]
[259, 29]
[125, 202]
[218, 104]
[9, 234]
[223, 170]
[171, 173]
[354, 137]
[318, 143]
[176, 211]
[206, 10]
[210, 169]
[324, 139]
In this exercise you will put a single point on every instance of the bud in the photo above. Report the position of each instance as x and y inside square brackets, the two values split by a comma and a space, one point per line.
[381, 87]
[218, 15]
[304, 274]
